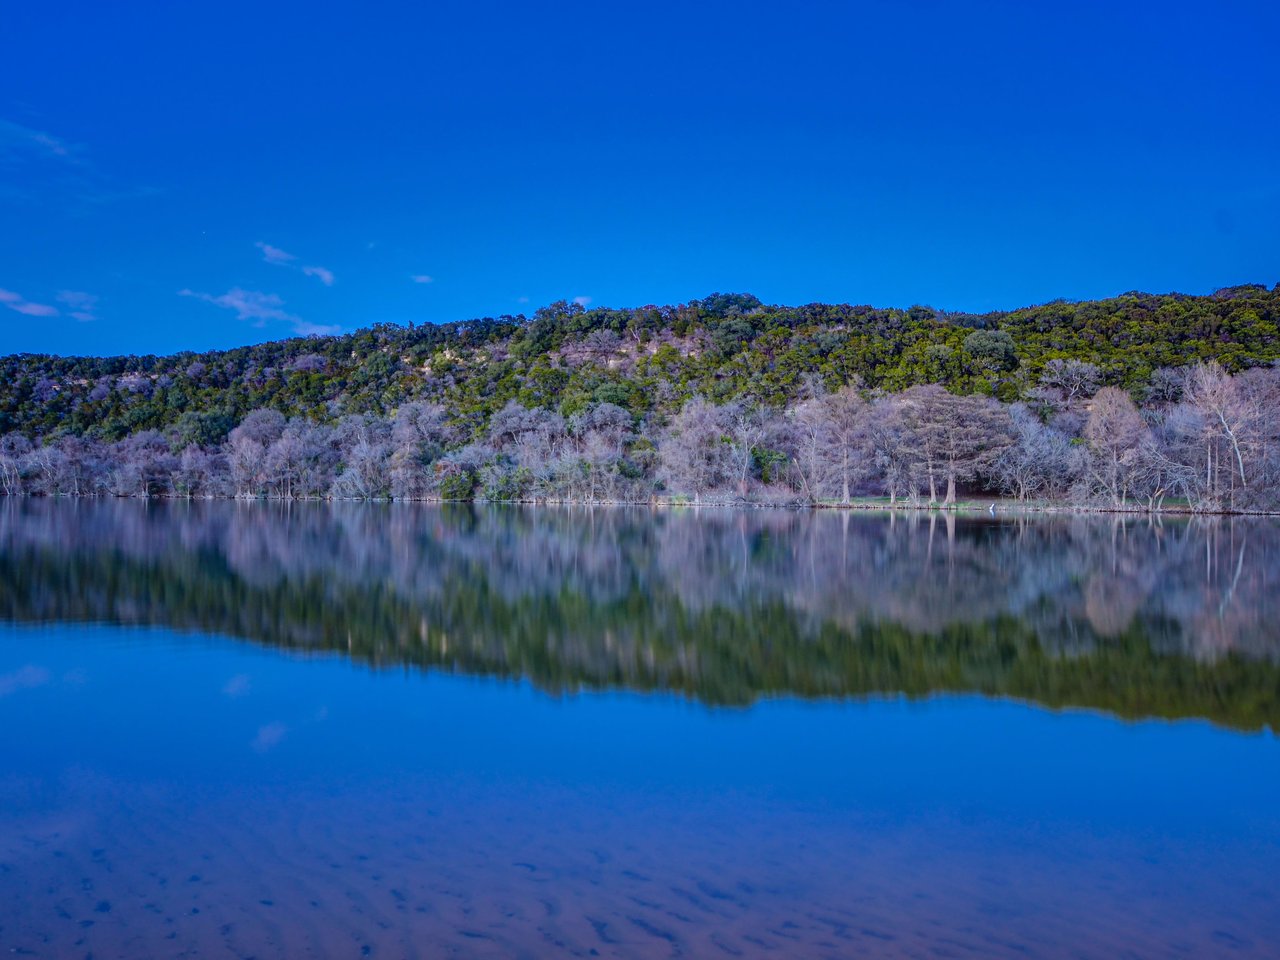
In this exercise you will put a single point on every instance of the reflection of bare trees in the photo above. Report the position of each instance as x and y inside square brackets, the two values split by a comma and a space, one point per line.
[1200, 588]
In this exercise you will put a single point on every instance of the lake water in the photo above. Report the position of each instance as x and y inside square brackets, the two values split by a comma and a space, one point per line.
[246, 730]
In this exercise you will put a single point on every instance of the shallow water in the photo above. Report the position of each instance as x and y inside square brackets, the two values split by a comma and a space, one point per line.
[243, 731]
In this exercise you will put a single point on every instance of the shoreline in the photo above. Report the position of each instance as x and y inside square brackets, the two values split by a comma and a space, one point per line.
[994, 507]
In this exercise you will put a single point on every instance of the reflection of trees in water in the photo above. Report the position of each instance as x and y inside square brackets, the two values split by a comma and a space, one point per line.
[1077, 581]
[724, 604]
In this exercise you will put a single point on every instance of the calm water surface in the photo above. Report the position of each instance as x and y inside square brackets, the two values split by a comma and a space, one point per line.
[248, 731]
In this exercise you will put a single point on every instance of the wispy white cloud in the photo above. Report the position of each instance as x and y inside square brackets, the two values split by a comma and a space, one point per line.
[522, 299]
[582, 301]
[52, 170]
[20, 304]
[16, 139]
[320, 273]
[81, 306]
[261, 308]
[248, 304]
[422, 278]
[307, 329]
[274, 254]
[283, 258]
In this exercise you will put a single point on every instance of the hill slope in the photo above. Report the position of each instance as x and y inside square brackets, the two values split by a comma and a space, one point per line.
[648, 359]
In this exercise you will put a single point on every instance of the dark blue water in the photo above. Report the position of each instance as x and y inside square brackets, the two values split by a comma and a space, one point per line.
[176, 792]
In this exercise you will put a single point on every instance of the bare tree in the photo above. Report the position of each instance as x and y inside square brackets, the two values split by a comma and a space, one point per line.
[600, 345]
[1116, 435]
[896, 455]
[247, 448]
[1164, 386]
[830, 442]
[694, 455]
[847, 439]
[747, 425]
[420, 435]
[302, 461]
[1231, 418]
[14, 450]
[140, 465]
[1076, 379]
[599, 436]
[533, 438]
[957, 437]
[196, 474]
[806, 440]
[1039, 460]
[365, 442]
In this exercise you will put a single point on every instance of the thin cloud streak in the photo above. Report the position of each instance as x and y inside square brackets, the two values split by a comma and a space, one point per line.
[81, 305]
[56, 172]
[20, 304]
[305, 328]
[283, 258]
[320, 273]
[261, 308]
[272, 254]
[15, 138]
[248, 304]
[422, 278]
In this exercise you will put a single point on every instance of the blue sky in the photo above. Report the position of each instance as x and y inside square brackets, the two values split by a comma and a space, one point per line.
[190, 176]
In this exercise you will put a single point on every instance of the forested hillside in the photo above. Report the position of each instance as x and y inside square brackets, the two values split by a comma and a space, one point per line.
[724, 395]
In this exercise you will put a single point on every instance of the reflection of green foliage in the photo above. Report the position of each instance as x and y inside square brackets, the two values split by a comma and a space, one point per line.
[641, 638]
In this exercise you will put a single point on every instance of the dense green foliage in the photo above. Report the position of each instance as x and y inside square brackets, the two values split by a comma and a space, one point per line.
[646, 360]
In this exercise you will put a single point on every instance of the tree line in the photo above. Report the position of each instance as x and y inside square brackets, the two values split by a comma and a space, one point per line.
[1200, 438]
